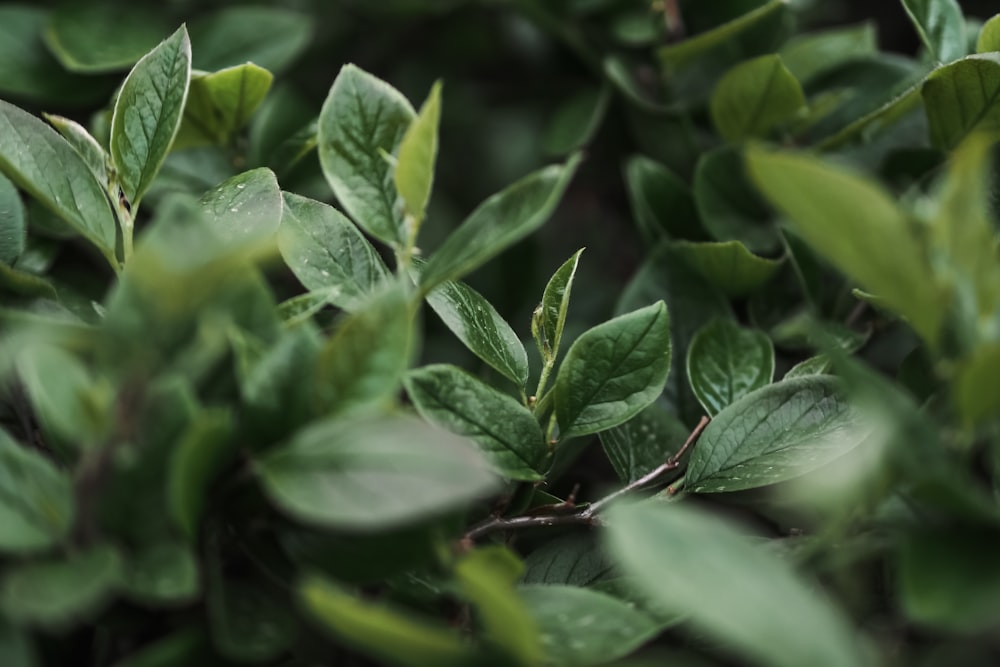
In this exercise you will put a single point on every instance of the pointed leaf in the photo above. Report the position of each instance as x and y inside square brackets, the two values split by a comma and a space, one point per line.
[644, 442]
[220, 104]
[85, 145]
[613, 371]
[13, 226]
[506, 432]
[551, 313]
[576, 120]
[725, 362]
[941, 27]
[662, 203]
[774, 434]
[728, 266]
[103, 36]
[414, 172]
[962, 97]
[246, 208]
[36, 499]
[755, 97]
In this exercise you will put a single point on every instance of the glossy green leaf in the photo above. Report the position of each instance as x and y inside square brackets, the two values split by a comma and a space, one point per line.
[776, 433]
[148, 113]
[220, 104]
[162, 575]
[730, 588]
[549, 318]
[754, 98]
[393, 636]
[857, 227]
[29, 149]
[505, 431]
[499, 222]
[58, 593]
[269, 37]
[202, 450]
[83, 143]
[371, 474]
[613, 371]
[326, 252]
[248, 621]
[989, 36]
[576, 121]
[13, 226]
[725, 362]
[103, 36]
[680, 54]
[811, 54]
[580, 626]
[414, 172]
[364, 361]
[728, 266]
[941, 27]
[362, 120]
[246, 208]
[662, 204]
[575, 559]
[818, 365]
[644, 442]
[961, 98]
[36, 499]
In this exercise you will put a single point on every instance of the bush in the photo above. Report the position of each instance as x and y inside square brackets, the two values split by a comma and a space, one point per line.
[233, 432]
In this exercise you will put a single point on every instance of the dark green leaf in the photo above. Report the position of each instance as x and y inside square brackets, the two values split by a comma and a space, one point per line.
[26, 284]
[662, 203]
[13, 226]
[162, 575]
[248, 622]
[810, 54]
[550, 316]
[36, 499]
[203, 448]
[725, 362]
[644, 442]
[506, 432]
[729, 266]
[576, 121]
[776, 433]
[941, 27]
[269, 37]
[16, 647]
[371, 474]
[103, 36]
[246, 208]
[220, 104]
[575, 559]
[613, 371]
[754, 98]
[414, 172]
[963, 97]
[189, 646]
[680, 54]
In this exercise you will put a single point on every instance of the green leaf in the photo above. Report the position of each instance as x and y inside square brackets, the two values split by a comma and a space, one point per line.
[162, 575]
[60, 593]
[644, 442]
[680, 54]
[93, 153]
[857, 227]
[248, 622]
[391, 635]
[549, 320]
[362, 119]
[414, 172]
[961, 98]
[148, 113]
[576, 121]
[28, 149]
[725, 362]
[13, 226]
[975, 387]
[754, 98]
[269, 37]
[480, 327]
[36, 499]
[16, 646]
[326, 252]
[26, 284]
[776, 433]
[941, 27]
[811, 54]
[818, 365]
[188, 646]
[728, 266]
[499, 222]
[246, 208]
[613, 371]
[364, 361]
[989, 36]
[220, 104]
[506, 432]
[372, 474]
[584, 627]
[662, 204]
[103, 36]
[730, 588]
[574, 559]
[199, 455]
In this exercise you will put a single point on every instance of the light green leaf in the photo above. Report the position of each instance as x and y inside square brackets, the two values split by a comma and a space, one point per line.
[730, 588]
[574, 559]
[148, 113]
[989, 36]
[810, 54]
[86, 145]
[13, 226]
[391, 635]
[414, 172]
[327, 253]
[162, 575]
[247, 208]
[662, 204]
[364, 361]
[725, 362]
[941, 27]
[103, 36]
[776, 433]
[220, 104]
[857, 227]
[362, 119]
[372, 474]
[977, 385]
[680, 54]
[644, 442]
[613, 371]
[549, 318]
[36, 499]
[506, 432]
[961, 98]
[29, 149]
[269, 37]
[754, 98]
[499, 222]
[59, 593]
[580, 626]
[728, 266]
[197, 458]
[576, 121]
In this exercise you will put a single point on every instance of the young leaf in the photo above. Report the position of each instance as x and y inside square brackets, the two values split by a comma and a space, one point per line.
[725, 362]
[962, 97]
[697, 564]
[680, 54]
[613, 371]
[362, 119]
[220, 103]
[755, 97]
[148, 113]
[644, 442]
[776, 433]
[858, 227]
[372, 474]
[269, 37]
[414, 172]
[500, 221]
[103, 36]
[36, 499]
[550, 316]
[506, 432]
[989, 36]
[326, 252]
[13, 227]
[941, 27]
[244, 209]
[480, 327]
[83, 143]
[28, 149]
[728, 266]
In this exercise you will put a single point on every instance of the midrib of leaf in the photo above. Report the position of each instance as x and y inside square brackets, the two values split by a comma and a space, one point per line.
[370, 129]
[755, 115]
